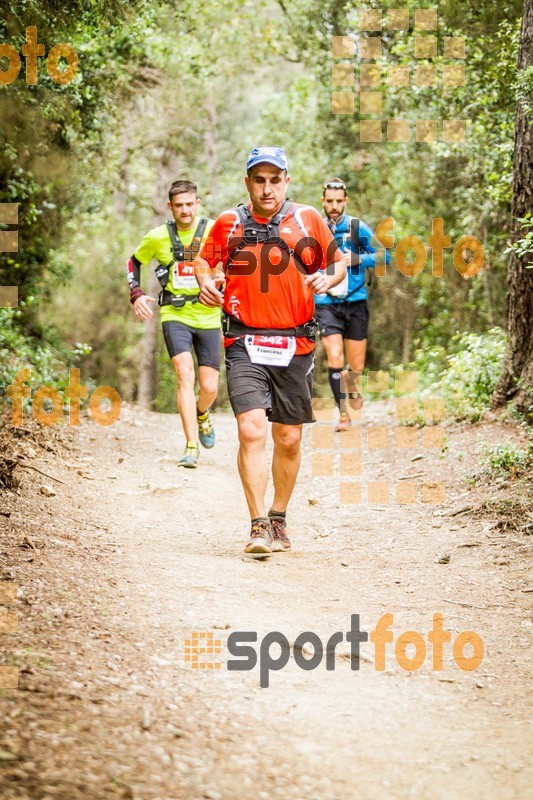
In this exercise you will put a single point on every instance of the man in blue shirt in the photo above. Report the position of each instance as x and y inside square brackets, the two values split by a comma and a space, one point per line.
[342, 313]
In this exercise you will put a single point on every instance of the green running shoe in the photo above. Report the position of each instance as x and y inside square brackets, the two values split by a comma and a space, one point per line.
[190, 456]
[206, 432]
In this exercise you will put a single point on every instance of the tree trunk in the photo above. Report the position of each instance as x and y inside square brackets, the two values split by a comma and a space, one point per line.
[148, 372]
[408, 324]
[516, 379]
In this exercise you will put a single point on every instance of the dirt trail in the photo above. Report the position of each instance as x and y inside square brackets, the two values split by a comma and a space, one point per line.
[133, 554]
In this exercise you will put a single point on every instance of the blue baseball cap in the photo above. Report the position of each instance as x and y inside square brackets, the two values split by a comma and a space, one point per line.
[268, 155]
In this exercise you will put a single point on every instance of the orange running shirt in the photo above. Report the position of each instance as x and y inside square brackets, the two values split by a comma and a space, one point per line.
[264, 286]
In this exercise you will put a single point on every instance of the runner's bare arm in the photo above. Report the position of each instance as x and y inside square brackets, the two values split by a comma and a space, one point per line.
[208, 283]
[321, 281]
[142, 308]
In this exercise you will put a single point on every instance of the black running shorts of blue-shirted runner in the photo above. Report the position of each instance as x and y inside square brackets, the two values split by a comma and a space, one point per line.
[349, 319]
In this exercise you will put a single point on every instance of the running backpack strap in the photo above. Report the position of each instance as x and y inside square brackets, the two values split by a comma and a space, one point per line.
[290, 210]
[359, 248]
[245, 218]
[255, 233]
[259, 232]
[369, 273]
[178, 250]
[274, 235]
[284, 210]
[355, 224]
[197, 238]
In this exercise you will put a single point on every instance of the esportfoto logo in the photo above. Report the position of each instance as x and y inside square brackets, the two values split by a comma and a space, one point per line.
[409, 253]
[308, 650]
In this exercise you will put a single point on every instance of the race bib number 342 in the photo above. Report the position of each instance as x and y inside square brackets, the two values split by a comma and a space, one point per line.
[273, 351]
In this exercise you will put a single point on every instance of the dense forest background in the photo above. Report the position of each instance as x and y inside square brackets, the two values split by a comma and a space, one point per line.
[186, 89]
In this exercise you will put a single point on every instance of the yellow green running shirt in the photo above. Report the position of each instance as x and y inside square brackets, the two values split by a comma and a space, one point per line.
[157, 245]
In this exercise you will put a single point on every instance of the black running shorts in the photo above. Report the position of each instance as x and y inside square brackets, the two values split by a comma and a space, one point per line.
[284, 392]
[180, 338]
[348, 319]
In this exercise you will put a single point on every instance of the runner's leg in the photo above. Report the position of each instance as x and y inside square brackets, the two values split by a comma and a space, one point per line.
[208, 387]
[207, 346]
[350, 381]
[251, 459]
[185, 398]
[355, 338]
[355, 342]
[334, 350]
[333, 346]
[285, 463]
[355, 354]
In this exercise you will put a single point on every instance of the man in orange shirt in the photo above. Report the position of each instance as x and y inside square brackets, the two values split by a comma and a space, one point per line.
[274, 255]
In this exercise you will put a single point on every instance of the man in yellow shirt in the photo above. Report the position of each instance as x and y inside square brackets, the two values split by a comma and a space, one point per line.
[187, 323]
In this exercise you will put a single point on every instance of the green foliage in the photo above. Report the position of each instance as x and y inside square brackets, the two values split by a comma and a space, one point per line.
[52, 135]
[463, 374]
[524, 246]
[506, 459]
[525, 89]
[469, 378]
[468, 184]
[17, 351]
[48, 358]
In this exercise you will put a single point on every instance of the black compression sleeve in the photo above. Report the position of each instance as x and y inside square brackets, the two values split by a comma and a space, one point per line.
[133, 268]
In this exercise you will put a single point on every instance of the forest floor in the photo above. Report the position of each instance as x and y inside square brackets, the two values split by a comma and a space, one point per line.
[119, 556]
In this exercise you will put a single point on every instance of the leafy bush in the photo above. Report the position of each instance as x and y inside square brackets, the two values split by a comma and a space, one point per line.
[468, 382]
[49, 363]
[464, 375]
[18, 350]
[524, 245]
[503, 458]
[507, 458]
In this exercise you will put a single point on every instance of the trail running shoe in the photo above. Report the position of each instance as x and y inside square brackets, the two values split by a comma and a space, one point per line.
[190, 456]
[260, 539]
[344, 423]
[281, 542]
[206, 432]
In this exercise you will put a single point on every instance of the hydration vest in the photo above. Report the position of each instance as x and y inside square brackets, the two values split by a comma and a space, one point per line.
[255, 233]
[179, 251]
